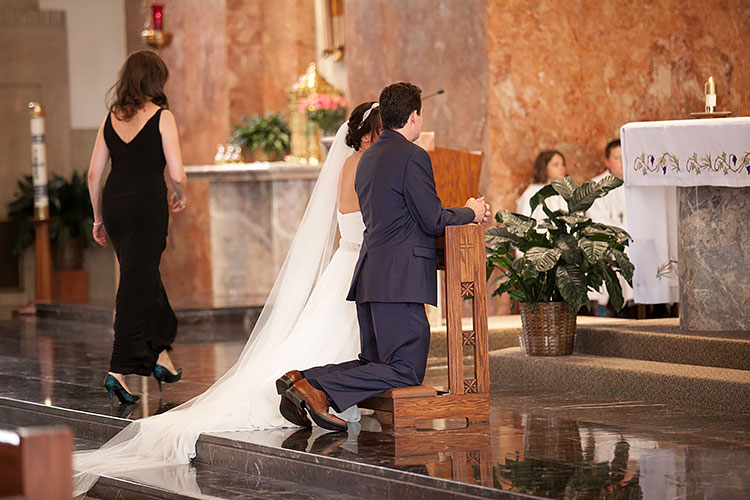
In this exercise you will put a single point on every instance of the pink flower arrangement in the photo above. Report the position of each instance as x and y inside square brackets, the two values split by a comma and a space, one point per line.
[323, 101]
[326, 111]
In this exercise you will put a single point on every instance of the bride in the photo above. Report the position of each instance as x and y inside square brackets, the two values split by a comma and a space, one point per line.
[305, 322]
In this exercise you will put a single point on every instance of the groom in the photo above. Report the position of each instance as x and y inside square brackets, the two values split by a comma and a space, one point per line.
[395, 274]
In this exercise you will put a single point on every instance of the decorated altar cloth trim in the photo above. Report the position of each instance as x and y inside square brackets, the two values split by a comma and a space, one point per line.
[713, 152]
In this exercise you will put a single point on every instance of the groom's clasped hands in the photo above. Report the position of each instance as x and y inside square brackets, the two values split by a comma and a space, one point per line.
[481, 209]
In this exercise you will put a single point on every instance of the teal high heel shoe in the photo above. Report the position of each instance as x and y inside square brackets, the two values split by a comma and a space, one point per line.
[161, 374]
[115, 387]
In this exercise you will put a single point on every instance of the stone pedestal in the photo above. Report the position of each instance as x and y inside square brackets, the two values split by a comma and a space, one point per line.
[714, 258]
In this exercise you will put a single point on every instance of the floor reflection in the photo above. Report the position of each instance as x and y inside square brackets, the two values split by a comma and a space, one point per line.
[548, 445]
[548, 457]
[63, 363]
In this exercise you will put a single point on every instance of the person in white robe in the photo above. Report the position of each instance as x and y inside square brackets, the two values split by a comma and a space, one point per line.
[549, 165]
[610, 210]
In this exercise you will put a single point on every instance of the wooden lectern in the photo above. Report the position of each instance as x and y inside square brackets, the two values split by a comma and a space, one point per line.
[457, 179]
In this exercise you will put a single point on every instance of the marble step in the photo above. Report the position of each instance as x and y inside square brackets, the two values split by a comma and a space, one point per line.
[661, 340]
[265, 467]
[189, 482]
[104, 314]
[623, 379]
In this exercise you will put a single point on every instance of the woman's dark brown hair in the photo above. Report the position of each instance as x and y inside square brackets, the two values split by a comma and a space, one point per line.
[540, 165]
[359, 128]
[142, 79]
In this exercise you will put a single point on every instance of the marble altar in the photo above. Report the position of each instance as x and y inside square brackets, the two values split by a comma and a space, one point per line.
[250, 213]
[686, 185]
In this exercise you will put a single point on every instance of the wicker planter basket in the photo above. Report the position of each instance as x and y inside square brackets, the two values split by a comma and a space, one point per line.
[549, 331]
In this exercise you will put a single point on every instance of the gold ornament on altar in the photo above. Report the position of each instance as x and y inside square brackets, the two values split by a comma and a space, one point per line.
[305, 140]
[153, 32]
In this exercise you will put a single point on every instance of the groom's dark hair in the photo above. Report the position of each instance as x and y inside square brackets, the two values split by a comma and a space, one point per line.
[397, 101]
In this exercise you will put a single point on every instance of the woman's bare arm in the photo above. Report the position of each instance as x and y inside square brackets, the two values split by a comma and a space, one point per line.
[175, 171]
[99, 159]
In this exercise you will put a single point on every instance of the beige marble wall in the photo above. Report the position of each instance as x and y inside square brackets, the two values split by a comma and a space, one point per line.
[228, 58]
[33, 66]
[436, 44]
[714, 258]
[524, 76]
[567, 74]
[270, 44]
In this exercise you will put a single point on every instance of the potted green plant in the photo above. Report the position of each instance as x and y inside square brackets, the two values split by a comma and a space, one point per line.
[563, 258]
[262, 138]
[70, 218]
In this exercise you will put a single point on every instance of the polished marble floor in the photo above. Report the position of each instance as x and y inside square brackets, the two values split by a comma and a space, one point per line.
[546, 445]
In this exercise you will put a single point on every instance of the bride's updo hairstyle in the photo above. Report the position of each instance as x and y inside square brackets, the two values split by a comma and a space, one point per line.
[364, 120]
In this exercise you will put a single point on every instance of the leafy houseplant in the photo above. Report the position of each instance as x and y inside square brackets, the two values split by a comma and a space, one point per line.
[564, 257]
[265, 137]
[328, 112]
[70, 218]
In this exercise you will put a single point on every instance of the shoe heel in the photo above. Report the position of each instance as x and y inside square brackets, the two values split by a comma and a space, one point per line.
[159, 375]
[113, 387]
[296, 398]
[283, 384]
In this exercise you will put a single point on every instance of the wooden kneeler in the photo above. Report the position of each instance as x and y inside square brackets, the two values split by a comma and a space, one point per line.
[467, 397]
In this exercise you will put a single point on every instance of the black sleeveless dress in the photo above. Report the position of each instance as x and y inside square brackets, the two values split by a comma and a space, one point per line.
[135, 214]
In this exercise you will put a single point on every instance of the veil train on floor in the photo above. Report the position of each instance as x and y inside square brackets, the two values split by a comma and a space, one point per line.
[244, 397]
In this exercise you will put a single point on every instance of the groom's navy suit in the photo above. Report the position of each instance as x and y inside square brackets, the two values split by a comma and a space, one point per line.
[395, 274]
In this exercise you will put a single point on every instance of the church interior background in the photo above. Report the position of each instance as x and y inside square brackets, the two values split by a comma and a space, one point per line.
[643, 409]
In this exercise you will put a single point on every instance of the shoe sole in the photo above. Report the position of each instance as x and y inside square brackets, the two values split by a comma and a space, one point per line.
[287, 408]
[292, 413]
[320, 420]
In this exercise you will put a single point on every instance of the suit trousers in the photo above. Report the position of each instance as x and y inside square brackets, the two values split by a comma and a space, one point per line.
[394, 339]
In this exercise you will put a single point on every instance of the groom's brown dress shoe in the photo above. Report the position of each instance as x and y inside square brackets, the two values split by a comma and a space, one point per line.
[288, 409]
[315, 402]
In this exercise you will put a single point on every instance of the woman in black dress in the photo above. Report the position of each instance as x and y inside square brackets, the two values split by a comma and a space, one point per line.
[139, 135]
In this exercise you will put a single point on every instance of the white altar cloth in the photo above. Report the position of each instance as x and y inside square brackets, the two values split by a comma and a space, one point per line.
[657, 157]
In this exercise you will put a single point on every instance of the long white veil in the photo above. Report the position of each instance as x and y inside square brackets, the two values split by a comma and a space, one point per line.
[244, 397]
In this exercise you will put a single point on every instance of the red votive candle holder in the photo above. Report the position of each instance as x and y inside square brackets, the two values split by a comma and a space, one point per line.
[157, 9]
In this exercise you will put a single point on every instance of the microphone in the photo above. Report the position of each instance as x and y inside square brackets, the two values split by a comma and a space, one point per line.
[441, 91]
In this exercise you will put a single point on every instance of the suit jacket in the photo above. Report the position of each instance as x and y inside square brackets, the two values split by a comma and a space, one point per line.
[403, 216]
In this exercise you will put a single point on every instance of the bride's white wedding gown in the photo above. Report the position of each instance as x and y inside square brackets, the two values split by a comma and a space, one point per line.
[306, 322]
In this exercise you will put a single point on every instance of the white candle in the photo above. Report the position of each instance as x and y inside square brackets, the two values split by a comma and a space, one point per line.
[39, 161]
[710, 95]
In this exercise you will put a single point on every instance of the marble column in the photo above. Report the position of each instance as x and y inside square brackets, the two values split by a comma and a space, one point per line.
[714, 258]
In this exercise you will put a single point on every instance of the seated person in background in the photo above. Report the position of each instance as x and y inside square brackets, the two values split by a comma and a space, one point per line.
[610, 210]
[549, 165]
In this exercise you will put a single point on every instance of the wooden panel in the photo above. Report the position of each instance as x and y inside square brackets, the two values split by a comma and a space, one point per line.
[11, 477]
[454, 299]
[10, 269]
[456, 175]
[41, 462]
[409, 412]
[72, 286]
[42, 262]
[479, 314]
